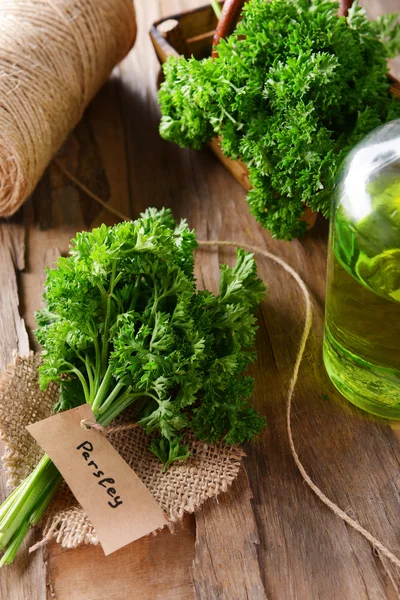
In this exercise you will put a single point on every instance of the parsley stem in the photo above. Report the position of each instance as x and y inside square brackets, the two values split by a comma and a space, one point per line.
[89, 371]
[20, 510]
[216, 8]
[154, 300]
[31, 499]
[81, 379]
[135, 293]
[10, 500]
[117, 408]
[46, 497]
[102, 391]
[97, 376]
[110, 398]
[16, 542]
[106, 333]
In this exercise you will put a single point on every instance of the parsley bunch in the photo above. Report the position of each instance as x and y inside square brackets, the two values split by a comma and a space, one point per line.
[124, 324]
[291, 92]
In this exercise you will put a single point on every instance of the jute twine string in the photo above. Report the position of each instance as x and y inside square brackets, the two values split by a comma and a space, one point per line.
[87, 424]
[54, 57]
[300, 353]
[377, 544]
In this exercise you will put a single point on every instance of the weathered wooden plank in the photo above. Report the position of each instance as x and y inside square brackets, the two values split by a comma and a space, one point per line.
[27, 577]
[13, 336]
[153, 568]
[231, 553]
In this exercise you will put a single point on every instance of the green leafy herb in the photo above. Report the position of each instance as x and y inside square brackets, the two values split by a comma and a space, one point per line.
[125, 325]
[124, 319]
[292, 90]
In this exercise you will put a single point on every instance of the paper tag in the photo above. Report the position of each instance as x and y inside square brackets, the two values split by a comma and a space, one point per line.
[115, 499]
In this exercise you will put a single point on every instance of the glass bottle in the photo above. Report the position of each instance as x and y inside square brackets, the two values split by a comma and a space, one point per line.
[362, 320]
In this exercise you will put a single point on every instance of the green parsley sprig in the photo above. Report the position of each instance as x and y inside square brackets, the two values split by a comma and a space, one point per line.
[292, 90]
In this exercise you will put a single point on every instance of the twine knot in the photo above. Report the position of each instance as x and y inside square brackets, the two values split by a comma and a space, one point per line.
[89, 424]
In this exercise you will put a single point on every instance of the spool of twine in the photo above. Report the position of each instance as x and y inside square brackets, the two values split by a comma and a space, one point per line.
[54, 57]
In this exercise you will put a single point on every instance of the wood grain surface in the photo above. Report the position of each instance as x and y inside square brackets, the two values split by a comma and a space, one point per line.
[269, 537]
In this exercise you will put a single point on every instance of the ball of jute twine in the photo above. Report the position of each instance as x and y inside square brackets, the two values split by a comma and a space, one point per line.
[54, 57]
[378, 546]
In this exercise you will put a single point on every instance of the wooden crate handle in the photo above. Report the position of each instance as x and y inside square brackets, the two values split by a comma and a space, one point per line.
[344, 6]
[230, 16]
[227, 22]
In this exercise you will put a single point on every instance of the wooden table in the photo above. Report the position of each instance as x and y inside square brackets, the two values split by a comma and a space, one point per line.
[269, 537]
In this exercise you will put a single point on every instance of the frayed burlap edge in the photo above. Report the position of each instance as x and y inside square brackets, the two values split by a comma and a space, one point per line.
[183, 488]
[22, 402]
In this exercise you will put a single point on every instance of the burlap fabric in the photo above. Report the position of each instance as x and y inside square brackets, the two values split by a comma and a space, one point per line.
[182, 489]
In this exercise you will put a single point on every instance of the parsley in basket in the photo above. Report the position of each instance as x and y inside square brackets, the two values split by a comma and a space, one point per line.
[291, 91]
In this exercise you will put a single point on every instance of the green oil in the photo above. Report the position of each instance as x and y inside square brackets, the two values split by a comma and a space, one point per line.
[362, 322]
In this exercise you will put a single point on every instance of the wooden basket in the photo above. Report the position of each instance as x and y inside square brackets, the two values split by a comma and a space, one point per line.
[195, 33]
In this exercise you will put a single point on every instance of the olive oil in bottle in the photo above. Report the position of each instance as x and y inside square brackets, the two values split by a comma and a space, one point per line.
[362, 321]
